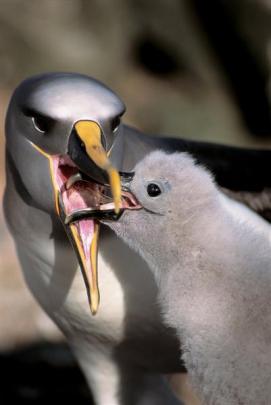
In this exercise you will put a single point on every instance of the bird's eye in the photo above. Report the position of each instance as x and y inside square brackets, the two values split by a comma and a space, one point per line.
[153, 190]
[41, 123]
[115, 124]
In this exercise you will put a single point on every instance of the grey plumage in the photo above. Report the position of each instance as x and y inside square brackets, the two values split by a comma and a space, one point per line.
[125, 347]
[122, 350]
[211, 259]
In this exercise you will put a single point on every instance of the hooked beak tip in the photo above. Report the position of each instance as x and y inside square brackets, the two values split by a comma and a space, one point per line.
[94, 298]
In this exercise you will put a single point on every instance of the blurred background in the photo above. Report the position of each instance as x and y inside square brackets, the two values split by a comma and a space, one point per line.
[190, 68]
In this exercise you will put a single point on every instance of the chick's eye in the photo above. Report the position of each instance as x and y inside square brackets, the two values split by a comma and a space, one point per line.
[42, 124]
[153, 190]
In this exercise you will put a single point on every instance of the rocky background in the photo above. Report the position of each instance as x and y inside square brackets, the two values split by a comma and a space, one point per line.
[189, 68]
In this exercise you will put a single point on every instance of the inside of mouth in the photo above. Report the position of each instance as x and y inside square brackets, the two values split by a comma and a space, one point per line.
[79, 192]
[81, 197]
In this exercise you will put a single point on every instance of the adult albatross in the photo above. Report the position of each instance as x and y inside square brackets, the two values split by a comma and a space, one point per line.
[64, 140]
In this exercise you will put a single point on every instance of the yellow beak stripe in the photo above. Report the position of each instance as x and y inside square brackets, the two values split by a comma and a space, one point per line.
[51, 165]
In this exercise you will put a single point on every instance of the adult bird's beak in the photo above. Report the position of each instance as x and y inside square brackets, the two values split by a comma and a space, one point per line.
[74, 194]
[90, 134]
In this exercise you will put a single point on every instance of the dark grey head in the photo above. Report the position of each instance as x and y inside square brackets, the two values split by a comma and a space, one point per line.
[45, 109]
[63, 130]
[172, 189]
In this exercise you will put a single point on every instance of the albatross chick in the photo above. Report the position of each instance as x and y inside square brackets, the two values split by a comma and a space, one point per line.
[211, 259]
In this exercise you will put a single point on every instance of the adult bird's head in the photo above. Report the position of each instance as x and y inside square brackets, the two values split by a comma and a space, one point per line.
[64, 139]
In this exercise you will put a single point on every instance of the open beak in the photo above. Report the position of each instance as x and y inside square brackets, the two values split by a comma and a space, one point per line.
[80, 201]
[90, 134]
